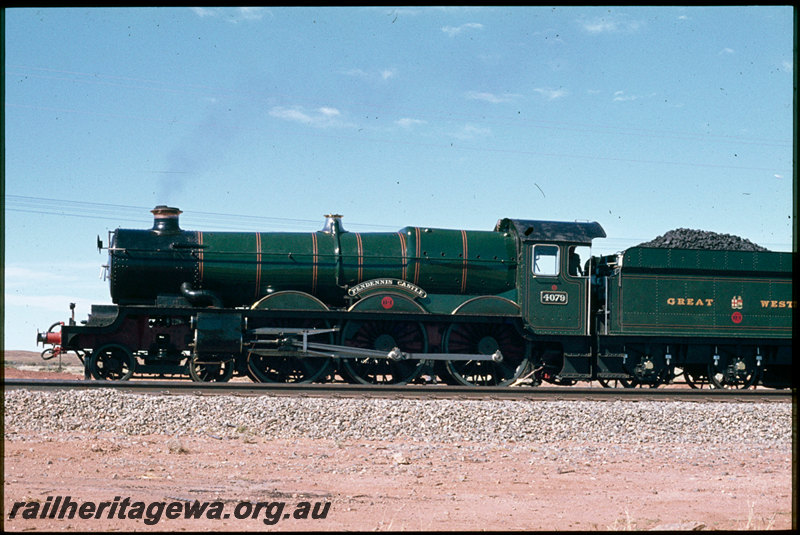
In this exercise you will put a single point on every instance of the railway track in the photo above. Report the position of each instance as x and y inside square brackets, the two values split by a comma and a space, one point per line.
[411, 391]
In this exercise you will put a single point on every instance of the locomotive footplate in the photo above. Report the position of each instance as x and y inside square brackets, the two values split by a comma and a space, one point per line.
[287, 343]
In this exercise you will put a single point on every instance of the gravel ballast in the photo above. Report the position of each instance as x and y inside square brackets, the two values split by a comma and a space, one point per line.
[435, 420]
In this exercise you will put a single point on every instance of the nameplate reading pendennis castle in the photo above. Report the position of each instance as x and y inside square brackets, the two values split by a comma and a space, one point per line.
[387, 284]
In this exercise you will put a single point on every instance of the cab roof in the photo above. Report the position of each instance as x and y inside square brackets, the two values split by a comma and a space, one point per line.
[552, 231]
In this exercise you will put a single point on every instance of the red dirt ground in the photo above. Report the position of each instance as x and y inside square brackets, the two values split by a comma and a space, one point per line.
[393, 486]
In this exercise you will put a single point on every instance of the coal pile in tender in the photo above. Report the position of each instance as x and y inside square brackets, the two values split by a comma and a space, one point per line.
[684, 238]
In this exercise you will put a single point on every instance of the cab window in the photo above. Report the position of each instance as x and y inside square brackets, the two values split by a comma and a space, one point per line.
[575, 264]
[545, 260]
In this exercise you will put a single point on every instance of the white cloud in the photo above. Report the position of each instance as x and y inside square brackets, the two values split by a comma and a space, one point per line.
[726, 51]
[491, 97]
[599, 26]
[452, 31]
[551, 94]
[383, 74]
[251, 12]
[203, 12]
[232, 15]
[407, 122]
[290, 114]
[322, 117]
[471, 132]
[328, 112]
[620, 96]
[359, 73]
[610, 24]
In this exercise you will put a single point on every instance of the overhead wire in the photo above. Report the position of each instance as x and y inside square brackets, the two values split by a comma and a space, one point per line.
[200, 220]
[140, 214]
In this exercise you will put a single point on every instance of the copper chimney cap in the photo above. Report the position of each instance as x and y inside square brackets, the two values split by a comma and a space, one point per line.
[165, 219]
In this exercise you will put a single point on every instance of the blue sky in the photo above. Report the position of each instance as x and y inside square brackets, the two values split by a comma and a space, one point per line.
[265, 119]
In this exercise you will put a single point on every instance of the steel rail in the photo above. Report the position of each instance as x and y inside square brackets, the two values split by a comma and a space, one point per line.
[411, 391]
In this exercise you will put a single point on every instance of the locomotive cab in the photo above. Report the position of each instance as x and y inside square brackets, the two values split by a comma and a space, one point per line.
[554, 287]
[555, 294]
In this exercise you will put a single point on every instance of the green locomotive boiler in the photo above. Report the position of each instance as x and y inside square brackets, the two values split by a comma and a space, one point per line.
[513, 305]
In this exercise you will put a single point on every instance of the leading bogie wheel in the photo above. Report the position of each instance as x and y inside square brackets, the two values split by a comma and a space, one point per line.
[206, 370]
[112, 362]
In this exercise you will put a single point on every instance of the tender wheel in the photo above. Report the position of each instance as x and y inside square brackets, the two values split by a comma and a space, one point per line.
[485, 339]
[736, 373]
[697, 377]
[206, 371]
[616, 383]
[648, 370]
[112, 362]
[384, 336]
[664, 376]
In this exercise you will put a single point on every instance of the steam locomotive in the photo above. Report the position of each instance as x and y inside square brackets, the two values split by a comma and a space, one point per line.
[519, 304]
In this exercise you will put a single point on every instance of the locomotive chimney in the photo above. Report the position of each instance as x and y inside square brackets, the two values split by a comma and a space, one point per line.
[165, 219]
[333, 224]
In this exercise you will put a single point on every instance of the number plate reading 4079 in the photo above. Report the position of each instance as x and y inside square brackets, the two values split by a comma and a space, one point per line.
[553, 298]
